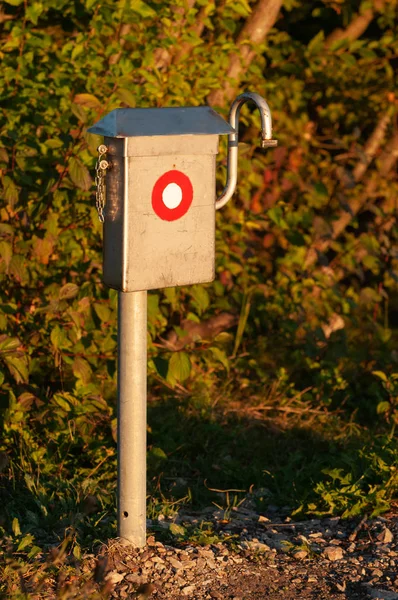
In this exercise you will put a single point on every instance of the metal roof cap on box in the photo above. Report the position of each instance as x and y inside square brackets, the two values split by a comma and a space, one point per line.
[136, 122]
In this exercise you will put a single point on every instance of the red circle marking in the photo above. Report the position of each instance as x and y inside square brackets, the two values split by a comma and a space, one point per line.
[158, 205]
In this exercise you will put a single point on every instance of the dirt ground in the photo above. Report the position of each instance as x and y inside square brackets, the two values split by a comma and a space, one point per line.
[270, 558]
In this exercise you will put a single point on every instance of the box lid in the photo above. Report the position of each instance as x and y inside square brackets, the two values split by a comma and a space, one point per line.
[136, 122]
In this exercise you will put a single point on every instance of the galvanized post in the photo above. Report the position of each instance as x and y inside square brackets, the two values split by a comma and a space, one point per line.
[156, 198]
[132, 390]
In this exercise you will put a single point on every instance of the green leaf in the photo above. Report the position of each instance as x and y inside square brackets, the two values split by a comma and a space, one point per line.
[18, 367]
[4, 155]
[200, 297]
[58, 337]
[126, 96]
[26, 541]
[81, 369]
[220, 356]
[381, 375]
[383, 407]
[321, 189]
[8, 344]
[179, 367]
[77, 50]
[348, 59]
[316, 43]
[242, 8]
[158, 453]
[10, 191]
[6, 230]
[6, 252]
[103, 312]
[161, 366]
[177, 530]
[18, 268]
[88, 100]
[79, 174]
[276, 215]
[61, 402]
[54, 143]
[34, 551]
[68, 291]
[15, 527]
[140, 7]
[34, 11]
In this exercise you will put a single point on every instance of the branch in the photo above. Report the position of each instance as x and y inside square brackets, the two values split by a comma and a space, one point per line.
[372, 145]
[124, 30]
[336, 271]
[198, 29]
[387, 160]
[163, 57]
[255, 30]
[192, 331]
[389, 156]
[357, 26]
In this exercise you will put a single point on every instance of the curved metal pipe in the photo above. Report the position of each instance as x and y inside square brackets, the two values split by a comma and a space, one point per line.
[266, 140]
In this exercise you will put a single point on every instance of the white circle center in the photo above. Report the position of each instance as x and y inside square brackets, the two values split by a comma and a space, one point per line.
[172, 195]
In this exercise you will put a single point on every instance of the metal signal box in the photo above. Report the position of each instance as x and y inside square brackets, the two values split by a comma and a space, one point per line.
[159, 216]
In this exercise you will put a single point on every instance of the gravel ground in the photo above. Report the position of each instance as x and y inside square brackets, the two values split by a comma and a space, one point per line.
[270, 557]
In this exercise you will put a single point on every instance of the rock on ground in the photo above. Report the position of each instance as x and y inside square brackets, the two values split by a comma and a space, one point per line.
[270, 558]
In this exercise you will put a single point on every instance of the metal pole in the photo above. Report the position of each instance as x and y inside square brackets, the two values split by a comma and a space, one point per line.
[132, 386]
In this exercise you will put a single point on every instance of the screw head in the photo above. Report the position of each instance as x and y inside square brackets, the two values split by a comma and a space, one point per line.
[102, 149]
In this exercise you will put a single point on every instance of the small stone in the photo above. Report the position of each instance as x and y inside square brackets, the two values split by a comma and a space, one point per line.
[385, 536]
[175, 563]
[351, 547]
[206, 553]
[377, 573]
[200, 563]
[133, 578]
[300, 554]
[333, 553]
[115, 577]
[257, 546]
[262, 519]
[341, 586]
[188, 590]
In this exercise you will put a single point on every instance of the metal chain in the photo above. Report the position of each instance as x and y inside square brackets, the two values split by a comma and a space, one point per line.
[100, 172]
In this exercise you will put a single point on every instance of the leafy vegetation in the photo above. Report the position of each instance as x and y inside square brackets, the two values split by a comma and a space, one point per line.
[297, 403]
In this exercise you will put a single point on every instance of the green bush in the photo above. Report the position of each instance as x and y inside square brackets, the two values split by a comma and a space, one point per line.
[306, 257]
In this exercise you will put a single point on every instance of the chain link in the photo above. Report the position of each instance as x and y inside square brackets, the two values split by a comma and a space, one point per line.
[100, 173]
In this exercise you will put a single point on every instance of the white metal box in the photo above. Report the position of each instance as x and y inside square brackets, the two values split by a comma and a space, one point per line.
[159, 225]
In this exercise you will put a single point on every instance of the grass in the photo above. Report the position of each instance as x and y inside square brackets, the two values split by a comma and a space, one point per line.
[58, 501]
